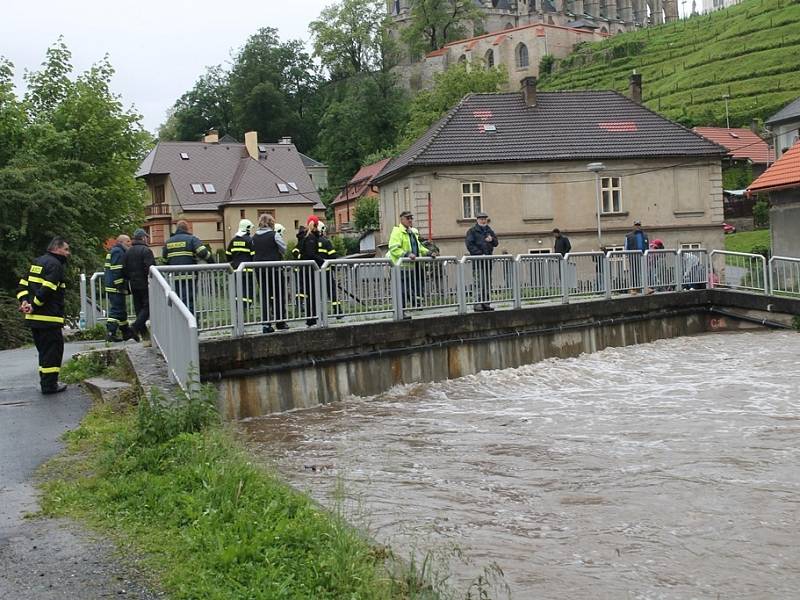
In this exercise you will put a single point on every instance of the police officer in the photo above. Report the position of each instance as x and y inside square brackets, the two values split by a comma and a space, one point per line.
[183, 248]
[41, 298]
[117, 292]
[135, 268]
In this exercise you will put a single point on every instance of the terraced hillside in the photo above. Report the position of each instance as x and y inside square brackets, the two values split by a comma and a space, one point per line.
[750, 52]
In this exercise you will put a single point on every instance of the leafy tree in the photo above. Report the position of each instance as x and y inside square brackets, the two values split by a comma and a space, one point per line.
[449, 88]
[367, 214]
[69, 167]
[435, 22]
[351, 38]
[206, 106]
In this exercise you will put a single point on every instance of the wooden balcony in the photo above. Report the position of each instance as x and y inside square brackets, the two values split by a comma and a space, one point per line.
[157, 210]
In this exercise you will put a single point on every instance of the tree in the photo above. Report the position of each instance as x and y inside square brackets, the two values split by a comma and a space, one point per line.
[367, 215]
[351, 38]
[449, 88]
[206, 106]
[435, 22]
[70, 168]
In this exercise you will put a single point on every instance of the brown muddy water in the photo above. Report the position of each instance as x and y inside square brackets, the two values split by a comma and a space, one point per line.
[665, 470]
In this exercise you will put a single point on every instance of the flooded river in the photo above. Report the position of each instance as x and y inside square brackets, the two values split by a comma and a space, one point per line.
[665, 470]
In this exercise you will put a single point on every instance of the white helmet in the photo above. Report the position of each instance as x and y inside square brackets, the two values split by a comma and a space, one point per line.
[322, 227]
[245, 225]
[279, 229]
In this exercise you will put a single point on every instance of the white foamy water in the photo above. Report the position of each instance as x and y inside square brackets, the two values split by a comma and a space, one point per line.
[665, 470]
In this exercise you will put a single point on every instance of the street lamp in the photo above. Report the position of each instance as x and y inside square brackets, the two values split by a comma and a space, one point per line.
[595, 168]
[727, 120]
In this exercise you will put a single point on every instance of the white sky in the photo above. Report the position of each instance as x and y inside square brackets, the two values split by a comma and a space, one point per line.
[158, 49]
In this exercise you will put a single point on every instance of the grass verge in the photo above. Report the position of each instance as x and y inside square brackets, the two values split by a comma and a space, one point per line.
[748, 241]
[174, 485]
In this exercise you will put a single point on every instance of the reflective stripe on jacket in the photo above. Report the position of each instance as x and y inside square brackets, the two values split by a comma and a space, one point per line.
[113, 278]
[43, 287]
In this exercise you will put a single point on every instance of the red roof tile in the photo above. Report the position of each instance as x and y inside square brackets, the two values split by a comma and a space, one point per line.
[784, 173]
[742, 143]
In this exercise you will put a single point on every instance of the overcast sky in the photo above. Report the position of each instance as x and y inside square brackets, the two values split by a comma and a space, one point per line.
[158, 49]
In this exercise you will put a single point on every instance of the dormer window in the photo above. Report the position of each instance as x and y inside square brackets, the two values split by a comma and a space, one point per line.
[262, 148]
[210, 189]
[184, 156]
[197, 188]
[283, 188]
[292, 185]
[489, 127]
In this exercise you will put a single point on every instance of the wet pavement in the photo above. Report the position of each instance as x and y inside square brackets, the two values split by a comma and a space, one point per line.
[665, 470]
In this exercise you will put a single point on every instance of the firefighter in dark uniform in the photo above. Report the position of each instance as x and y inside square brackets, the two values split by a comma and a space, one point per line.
[310, 250]
[327, 250]
[239, 250]
[299, 284]
[117, 292]
[136, 268]
[183, 248]
[41, 298]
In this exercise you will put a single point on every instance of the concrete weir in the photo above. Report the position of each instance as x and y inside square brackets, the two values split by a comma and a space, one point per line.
[257, 375]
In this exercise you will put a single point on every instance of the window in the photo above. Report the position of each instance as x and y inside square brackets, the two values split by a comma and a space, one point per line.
[296, 224]
[406, 199]
[210, 189]
[539, 251]
[241, 213]
[219, 225]
[158, 194]
[197, 188]
[184, 156]
[489, 59]
[283, 188]
[262, 148]
[692, 246]
[611, 194]
[471, 199]
[614, 249]
[522, 56]
[292, 185]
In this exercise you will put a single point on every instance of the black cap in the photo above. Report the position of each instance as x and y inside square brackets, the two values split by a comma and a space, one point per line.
[481, 215]
[406, 213]
[639, 223]
[140, 234]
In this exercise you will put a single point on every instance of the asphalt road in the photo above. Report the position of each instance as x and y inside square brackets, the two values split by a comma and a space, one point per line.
[44, 559]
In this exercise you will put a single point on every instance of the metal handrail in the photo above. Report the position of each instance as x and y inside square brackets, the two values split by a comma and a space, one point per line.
[783, 282]
[719, 278]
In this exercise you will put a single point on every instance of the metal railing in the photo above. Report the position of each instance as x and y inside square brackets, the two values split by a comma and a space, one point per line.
[173, 329]
[693, 265]
[784, 276]
[626, 271]
[540, 278]
[586, 275]
[738, 271]
[94, 301]
[207, 291]
[661, 270]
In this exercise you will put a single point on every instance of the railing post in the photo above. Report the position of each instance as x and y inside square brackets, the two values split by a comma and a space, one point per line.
[605, 264]
[645, 274]
[92, 321]
[321, 293]
[461, 284]
[562, 269]
[767, 287]
[771, 276]
[236, 292]
[397, 291]
[84, 315]
[516, 284]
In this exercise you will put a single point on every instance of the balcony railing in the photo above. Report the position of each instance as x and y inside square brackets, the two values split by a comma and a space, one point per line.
[157, 210]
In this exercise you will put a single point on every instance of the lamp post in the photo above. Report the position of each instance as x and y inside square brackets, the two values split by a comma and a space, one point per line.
[595, 168]
[727, 120]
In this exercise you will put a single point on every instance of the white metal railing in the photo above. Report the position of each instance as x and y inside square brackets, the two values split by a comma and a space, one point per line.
[426, 284]
[173, 329]
[693, 266]
[784, 276]
[94, 301]
[738, 271]
[626, 271]
[207, 292]
[540, 278]
[586, 275]
[488, 280]
[661, 270]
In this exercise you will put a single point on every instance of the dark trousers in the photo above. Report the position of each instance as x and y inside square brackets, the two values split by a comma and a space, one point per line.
[184, 287]
[50, 345]
[273, 296]
[117, 313]
[310, 290]
[141, 304]
[412, 286]
[482, 281]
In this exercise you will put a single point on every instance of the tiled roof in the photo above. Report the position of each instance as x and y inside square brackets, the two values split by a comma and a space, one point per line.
[360, 182]
[787, 113]
[236, 177]
[497, 128]
[742, 143]
[783, 173]
[310, 162]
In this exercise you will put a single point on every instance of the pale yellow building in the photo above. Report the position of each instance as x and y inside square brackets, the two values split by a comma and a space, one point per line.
[524, 159]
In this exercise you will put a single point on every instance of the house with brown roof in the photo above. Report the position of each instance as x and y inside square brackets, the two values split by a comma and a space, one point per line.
[360, 186]
[213, 185]
[782, 182]
[524, 159]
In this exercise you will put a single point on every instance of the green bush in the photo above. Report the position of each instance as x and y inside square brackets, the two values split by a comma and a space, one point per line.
[159, 421]
[761, 213]
[83, 366]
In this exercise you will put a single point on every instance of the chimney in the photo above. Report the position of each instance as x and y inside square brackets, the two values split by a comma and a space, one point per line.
[754, 126]
[285, 140]
[251, 143]
[212, 137]
[636, 87]
[529, 91]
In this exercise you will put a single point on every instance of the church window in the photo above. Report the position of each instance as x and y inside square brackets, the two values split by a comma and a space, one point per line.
[522, 56]
[489, 58]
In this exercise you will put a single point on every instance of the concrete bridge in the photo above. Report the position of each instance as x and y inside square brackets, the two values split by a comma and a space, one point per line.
[358, 327]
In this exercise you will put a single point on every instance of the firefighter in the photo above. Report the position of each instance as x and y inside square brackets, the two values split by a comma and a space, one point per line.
[136, 268]
[183, 248]
[117, 292]
[299, 283]
[310, 250]
[327, 250]
[240, 249]
[41, 298]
